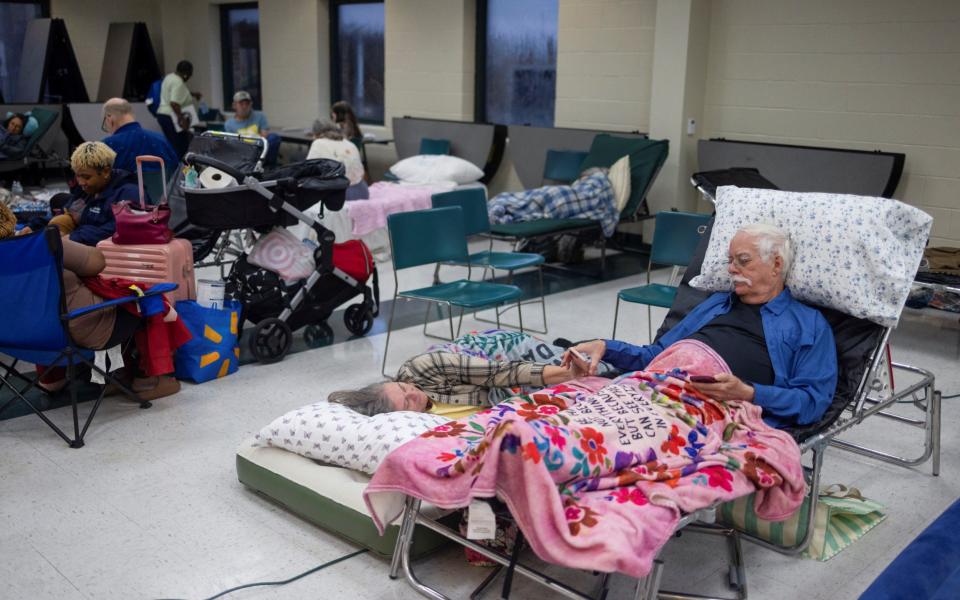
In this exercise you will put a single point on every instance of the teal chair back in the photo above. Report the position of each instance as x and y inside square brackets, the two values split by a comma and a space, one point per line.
[432, 146]
[422, 237]
[473, 203]
[563, 165]
[676, 237]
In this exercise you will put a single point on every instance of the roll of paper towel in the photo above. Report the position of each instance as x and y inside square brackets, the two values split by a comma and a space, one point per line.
[215, 178]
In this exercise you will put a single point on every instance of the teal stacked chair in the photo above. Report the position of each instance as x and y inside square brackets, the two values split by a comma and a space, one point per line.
[674, 241]
[562, 165]
[424, 237]
[434, 146]
[476, 221]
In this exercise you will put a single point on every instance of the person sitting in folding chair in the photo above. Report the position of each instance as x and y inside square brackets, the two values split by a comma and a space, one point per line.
[106, 328]
[13, 142]
[780, 352]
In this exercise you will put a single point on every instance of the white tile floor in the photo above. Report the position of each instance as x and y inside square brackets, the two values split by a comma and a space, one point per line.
[151, 507]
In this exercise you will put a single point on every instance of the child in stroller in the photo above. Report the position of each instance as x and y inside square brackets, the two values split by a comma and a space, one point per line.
[277, 309]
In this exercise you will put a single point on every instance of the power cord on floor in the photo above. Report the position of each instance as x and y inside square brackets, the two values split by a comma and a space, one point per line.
[950, 396]
[285, 581]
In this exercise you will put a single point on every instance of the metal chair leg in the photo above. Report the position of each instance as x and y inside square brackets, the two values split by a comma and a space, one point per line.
[648, 587]
[649, 324]
[386, 347]
[616, 315]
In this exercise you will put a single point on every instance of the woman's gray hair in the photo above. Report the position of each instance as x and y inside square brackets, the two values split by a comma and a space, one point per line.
[369, 400]
[771, 241]
[325, 128]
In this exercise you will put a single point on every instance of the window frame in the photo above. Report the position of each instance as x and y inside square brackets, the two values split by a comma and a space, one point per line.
[335, 82]
[226, 66]
[44, 14]
[480, 66]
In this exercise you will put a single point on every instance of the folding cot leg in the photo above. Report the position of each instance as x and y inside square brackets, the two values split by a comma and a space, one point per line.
[405, 544]
[407, 525]
[649, 586]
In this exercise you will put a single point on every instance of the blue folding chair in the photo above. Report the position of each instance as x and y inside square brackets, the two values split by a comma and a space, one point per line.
[674, 240]
[35, 319]
[476, 221]
[424, 237]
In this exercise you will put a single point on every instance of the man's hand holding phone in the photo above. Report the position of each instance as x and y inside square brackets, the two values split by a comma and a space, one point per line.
[585, 357]
[723, 387]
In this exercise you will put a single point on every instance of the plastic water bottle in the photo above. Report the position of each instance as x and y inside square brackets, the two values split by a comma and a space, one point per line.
[191, 179]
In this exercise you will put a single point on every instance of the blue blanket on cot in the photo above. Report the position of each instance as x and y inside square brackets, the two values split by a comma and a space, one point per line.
[589, 197]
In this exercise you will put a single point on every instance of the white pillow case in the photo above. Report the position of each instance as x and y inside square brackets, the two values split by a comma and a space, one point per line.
[619, 176]
[337, 435]
[856, 254]
[436, 168]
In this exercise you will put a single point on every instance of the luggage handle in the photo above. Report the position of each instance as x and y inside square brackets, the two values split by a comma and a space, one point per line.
[163, 173]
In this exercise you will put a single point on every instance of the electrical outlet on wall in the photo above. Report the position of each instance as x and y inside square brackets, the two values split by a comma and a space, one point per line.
[691, 126]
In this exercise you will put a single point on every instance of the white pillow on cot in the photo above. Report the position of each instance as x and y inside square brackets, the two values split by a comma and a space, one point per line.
[856, 254]
[337, 435]
[436, 168]
[619, 176]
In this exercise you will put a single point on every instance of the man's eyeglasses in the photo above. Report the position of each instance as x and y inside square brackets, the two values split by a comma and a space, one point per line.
[103, 125]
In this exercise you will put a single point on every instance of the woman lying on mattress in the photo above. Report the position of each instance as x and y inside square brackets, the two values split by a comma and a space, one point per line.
[781, 352]
[459, 378]
[451, 384]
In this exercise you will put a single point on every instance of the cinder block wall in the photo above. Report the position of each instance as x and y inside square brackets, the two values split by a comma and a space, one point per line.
[883, 75]
[88, 23]
[605, 64]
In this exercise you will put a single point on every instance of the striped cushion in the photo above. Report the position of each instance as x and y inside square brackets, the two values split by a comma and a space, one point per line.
[843, 516]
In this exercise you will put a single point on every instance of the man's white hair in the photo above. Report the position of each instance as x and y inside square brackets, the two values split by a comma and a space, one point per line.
[771, 241]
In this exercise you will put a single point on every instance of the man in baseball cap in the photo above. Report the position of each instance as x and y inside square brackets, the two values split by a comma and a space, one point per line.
[247, 121]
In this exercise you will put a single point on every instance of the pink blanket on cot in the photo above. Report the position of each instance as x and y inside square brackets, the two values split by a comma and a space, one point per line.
[598, 472]
[386, 199]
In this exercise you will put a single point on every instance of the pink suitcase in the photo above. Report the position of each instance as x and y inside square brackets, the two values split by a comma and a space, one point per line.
[153, 263]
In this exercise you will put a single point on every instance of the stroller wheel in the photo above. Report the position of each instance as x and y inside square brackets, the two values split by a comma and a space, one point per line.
[358, 318]
[271, 340]
[317, 335]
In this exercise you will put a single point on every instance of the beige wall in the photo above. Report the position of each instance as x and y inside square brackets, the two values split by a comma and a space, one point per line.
[88, 23]
[429, 61]
[605, 64]
[883, 75]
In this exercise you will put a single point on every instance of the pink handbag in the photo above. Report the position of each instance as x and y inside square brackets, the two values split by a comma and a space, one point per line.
[143, 225]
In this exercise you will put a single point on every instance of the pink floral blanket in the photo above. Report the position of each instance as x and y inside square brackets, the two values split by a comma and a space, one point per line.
[597, 472]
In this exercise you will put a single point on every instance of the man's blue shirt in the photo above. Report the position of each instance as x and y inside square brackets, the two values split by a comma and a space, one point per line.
[132, 140]
[801, 347]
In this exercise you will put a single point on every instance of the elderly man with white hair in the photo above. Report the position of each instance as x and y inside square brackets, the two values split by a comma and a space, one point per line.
[780, 352]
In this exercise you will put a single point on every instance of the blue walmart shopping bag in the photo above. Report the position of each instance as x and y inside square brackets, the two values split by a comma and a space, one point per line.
[213, 352]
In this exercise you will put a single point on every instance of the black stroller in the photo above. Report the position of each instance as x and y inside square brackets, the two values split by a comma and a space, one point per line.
[278, 199]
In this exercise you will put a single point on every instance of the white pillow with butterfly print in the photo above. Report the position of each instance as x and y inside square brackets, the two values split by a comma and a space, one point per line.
[337, 435]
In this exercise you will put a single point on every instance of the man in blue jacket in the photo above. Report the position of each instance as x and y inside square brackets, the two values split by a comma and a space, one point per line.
[781, 353]
[101, 186]
[129, 139]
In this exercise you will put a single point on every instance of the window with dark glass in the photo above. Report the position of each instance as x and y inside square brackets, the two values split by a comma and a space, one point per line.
[14, 17]
[240, 40]
[357, 57]
[516, 61]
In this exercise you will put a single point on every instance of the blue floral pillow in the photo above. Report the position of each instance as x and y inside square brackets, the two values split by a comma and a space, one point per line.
[857, 254]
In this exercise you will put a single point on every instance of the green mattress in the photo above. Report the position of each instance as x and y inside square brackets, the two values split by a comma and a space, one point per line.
[327, 496]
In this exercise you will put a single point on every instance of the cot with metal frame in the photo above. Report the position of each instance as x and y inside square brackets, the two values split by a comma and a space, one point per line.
[859, 395]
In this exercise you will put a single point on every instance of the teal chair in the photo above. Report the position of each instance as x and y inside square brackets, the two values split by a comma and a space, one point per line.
[432, 146]
[424, 237]
[476, 221]
[674, 241]
[563, 165]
